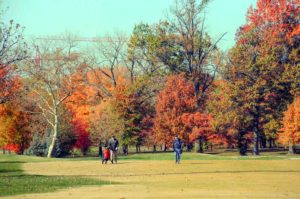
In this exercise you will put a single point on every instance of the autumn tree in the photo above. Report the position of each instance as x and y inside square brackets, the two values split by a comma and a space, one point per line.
[176, 113]
[179, 44]
[15, 128]
[199, 129]
[290, 135]
[92, 107]
[225, 117]
[188, 21]
[257, 63]
[105, 122]
[135, 105]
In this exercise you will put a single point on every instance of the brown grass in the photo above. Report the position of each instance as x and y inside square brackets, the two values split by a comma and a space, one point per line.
[164, 179]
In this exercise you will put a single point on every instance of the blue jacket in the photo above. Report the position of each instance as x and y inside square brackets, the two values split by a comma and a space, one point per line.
[177, 144]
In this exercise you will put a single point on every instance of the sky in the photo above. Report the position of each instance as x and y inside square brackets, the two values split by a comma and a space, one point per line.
[93, 18]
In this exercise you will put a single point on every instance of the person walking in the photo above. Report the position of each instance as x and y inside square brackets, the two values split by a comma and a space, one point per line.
[113, 144]
[177, 148]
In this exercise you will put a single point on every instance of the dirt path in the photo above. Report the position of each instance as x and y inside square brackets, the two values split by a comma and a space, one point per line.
[164, 179]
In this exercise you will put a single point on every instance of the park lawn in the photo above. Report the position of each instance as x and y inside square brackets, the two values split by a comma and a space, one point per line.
[14, 181]
[156, 176]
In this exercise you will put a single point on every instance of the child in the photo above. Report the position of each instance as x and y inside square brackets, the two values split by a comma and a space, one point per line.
[106, 155]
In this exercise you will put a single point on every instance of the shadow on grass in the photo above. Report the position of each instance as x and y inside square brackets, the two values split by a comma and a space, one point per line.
[12, 162]
[13, 181]
[213, 153]
[10, 170]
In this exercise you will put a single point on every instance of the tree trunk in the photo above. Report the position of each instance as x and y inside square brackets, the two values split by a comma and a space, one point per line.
[292, 149]
[125, 149]
[274, 144]
[255, 137]
[165, 148]
[137, 148]
[54, 137]
[189, 147]
[270, 143]
[199, 145]
[3, 150]
[243, 147]
[263, 141]
[154, 148]
[22, 149]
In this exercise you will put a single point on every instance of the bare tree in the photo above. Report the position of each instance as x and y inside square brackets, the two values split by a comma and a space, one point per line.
[13, 49]
[109, 55]
[188, 19]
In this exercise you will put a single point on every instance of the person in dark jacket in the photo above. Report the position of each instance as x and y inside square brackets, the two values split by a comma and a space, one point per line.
[177, 148]
[100, 150]
[113, 144]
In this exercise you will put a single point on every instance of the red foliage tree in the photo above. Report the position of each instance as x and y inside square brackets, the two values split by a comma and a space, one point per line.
[175, 100]
[198, 125]
[15, 133]
[176, 113]
[82, 136]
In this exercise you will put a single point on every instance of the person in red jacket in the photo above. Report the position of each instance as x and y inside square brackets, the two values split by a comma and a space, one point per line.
[106, 155]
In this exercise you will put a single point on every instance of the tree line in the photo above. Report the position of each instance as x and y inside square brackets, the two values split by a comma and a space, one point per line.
[168, 78]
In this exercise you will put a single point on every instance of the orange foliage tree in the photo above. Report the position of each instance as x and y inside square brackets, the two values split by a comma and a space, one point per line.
[290, 135]
[176, 113]
[91, 107]
[15, 131]
[198, 126]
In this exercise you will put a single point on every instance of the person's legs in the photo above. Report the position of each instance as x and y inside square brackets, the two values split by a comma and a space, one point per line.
[115, 156]
[176, 155]
[111, 156]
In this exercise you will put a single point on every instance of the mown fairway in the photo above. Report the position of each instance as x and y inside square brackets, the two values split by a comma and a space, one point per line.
[149, 176]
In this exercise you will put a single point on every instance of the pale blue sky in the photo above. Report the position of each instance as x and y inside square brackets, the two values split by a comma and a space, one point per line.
[91, 18]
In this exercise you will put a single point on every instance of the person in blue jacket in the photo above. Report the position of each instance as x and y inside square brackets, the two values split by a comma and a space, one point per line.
[177, 147]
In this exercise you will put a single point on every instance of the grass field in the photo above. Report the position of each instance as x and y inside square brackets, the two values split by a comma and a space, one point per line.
[271, 175]
[14, 181]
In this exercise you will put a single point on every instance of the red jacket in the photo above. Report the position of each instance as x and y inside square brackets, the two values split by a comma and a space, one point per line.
[106, 154]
